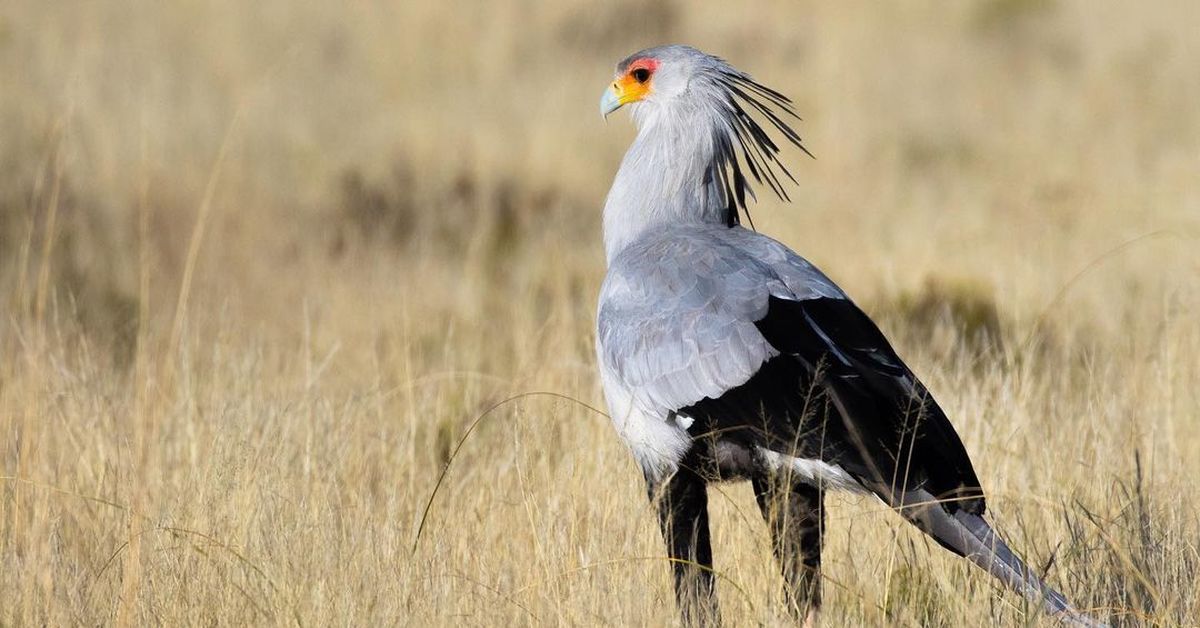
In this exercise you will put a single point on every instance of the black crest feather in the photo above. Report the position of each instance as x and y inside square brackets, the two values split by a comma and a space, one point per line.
[746, 143]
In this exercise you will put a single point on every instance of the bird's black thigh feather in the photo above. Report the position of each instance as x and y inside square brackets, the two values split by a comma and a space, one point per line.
[795, 514]
[683, 514]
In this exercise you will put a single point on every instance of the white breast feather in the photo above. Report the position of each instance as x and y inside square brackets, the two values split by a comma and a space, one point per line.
[657, 443]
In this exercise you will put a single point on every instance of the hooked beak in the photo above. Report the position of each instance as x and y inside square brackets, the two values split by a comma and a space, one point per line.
[621, 92]
[610, 101]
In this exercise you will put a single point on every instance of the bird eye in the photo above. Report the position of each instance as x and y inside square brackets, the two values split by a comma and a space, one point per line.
[641, 75]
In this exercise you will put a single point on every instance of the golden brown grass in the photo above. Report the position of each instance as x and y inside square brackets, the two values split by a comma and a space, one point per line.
[262, 264]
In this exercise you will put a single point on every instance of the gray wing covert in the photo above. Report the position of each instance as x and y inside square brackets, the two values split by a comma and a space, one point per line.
[676, 321]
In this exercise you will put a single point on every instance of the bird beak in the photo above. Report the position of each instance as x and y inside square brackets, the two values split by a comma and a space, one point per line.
[610, 101]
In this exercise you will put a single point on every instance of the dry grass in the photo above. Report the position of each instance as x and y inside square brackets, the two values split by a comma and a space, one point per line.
[262, 264]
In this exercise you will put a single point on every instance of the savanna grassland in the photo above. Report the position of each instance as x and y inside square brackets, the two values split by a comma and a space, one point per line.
[265, 265]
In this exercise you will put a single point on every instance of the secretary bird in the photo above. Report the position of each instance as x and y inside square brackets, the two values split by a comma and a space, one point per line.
[725, 355]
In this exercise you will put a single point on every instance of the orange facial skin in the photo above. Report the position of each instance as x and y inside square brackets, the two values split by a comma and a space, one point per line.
[634, 84]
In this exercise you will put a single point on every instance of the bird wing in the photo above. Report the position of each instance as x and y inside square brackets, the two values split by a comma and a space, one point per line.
[734, 330]
[677, 312]
[882, 424]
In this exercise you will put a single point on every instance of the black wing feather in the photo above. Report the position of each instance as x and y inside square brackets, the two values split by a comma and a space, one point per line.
[839, 393]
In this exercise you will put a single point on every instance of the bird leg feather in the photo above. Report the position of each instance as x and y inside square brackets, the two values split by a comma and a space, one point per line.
[682, 501]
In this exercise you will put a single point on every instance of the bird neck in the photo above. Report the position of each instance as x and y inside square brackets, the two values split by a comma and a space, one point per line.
[664, 178]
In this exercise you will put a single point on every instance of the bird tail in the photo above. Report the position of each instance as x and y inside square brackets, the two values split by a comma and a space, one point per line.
[969, 535]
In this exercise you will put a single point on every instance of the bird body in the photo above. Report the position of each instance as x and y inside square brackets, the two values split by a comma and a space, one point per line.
[725, 355]
[656, 360]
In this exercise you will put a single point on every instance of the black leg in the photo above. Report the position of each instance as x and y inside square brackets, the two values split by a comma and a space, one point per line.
[795, 514]
[683, 514]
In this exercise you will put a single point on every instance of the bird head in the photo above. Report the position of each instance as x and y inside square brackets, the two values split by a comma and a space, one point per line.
[718, 101]
[656, 75]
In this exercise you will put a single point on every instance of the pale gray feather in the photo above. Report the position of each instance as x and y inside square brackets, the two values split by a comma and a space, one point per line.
[677, 310]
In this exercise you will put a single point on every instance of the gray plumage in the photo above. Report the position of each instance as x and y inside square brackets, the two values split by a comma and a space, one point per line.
[708, 333]
[677, 310]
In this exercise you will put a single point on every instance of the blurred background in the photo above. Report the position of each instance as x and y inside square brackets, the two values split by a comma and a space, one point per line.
[262, 265]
